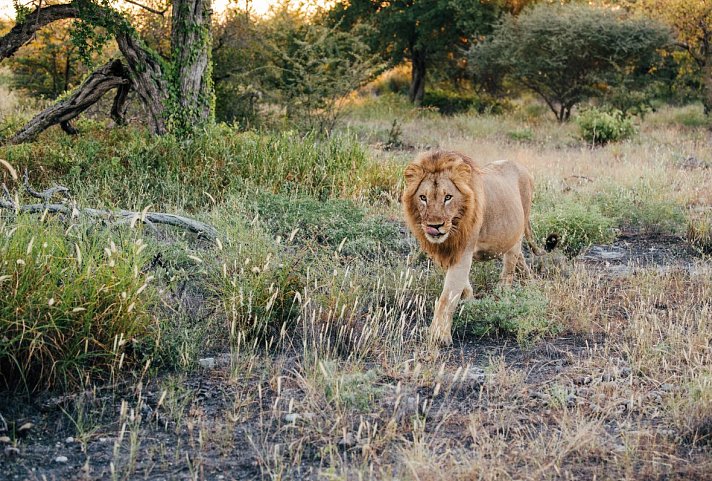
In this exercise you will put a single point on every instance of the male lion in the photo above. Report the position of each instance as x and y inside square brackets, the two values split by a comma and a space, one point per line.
[458, 211]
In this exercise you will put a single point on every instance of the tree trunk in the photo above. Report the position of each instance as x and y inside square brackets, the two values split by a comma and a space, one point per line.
[191, 50]
[108, 77]
[707, 86]
[417, 79]
[148, 80]
[176, 98]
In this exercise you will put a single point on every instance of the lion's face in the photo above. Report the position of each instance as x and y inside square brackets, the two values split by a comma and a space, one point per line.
[438, 201]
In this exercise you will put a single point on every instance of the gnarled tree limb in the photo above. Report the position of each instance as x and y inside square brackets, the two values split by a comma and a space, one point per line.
[110, 76]
[23, 32]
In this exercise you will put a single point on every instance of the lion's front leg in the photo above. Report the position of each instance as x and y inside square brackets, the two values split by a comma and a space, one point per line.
[457, 284]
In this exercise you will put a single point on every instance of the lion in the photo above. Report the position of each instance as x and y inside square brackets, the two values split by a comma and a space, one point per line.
[459, 211]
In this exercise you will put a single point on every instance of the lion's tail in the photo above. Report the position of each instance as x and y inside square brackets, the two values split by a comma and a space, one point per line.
[529, 235]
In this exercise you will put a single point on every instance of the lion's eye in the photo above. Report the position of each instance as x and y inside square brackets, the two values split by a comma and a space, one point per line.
[448, 197]
[422, 197]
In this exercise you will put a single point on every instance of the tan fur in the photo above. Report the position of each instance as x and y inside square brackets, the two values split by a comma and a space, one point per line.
[458, 211]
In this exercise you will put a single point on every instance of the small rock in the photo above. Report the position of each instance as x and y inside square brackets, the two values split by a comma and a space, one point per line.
[608, 377]
[61, 459]
[104, 440]
[11, 451]
[5, 439]
[207, 362]
[584, 380]
[347, 441]
[666, 387]
[25, 427]
[294, 417]
[625, 372]
[69, 440]
[570, 400]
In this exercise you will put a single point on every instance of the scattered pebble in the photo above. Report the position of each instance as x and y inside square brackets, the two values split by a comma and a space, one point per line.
[5, 439]
[61, 459]
[207, 362]
[25, 427]
[69, 440]
[11, 451]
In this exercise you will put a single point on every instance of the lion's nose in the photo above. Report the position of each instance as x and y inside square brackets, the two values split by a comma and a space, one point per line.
[436, 226]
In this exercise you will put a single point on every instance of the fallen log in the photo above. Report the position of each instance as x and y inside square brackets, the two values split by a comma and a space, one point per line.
[117, 216]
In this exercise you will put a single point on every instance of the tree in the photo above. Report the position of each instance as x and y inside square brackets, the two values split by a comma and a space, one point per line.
[569, 53]
[177, 94]
[426, 32]
[290, 60]
[692, 23]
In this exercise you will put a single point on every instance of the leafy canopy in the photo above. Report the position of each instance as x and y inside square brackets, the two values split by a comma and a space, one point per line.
[569, 53]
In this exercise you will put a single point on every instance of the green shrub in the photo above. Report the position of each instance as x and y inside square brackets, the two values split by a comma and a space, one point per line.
[699, 232]
[578, 223]
[521, 135]
[641, 207]
[74, 304]
[516, 311]
[333, 222]
[450, 103]
[691, 116]
[170, 171]
[601, 127]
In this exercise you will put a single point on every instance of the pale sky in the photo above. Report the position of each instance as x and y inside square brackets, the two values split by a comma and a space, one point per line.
[260, 7]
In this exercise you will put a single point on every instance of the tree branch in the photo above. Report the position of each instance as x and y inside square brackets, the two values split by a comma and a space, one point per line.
[110, 76]
[147, 8]
[23, 32]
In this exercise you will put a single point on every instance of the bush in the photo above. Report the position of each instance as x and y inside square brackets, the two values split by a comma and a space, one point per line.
[600, 127]
[517, 311]
[578, 224]
[334, 223]
[451, 103]
[73, 304]
[642, 207]
[174, 171]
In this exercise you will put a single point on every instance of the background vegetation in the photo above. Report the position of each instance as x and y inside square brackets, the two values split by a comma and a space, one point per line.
[291, 344]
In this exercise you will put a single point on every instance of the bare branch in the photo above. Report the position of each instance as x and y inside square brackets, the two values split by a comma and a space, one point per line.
[110, 76]
[24, 32]
[45, 195]
[147, 8]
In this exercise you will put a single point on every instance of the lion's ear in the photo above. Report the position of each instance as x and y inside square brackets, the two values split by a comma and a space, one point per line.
[463, 170]
[413, 173]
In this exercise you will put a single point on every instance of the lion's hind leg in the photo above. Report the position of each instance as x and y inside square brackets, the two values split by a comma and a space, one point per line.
[523, 267]
[509, 265]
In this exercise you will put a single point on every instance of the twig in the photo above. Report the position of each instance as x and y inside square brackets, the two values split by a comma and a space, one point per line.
[7, 195]
[44, 195]
[146, 7]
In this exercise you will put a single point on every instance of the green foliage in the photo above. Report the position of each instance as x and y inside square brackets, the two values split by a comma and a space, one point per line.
[568, 53]
[521, 135]
[74, 304]
[289, 61]
[601, 127]
[579, 224]
[339, 224]
[521, 312]
[450, 103]
[356, 390]
[431, 32]
[642, 207]
[217, 161]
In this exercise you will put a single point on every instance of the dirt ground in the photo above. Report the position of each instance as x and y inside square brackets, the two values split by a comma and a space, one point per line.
[482, 397]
